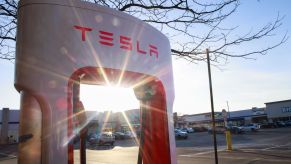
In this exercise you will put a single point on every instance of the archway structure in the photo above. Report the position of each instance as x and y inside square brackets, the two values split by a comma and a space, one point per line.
[60, 42]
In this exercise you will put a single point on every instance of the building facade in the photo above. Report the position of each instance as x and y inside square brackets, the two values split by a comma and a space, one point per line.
[235, 118]
[9, 127]
[123, 121]
[278, 110]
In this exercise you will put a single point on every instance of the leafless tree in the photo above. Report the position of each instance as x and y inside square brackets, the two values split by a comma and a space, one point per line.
[191, 25]
[8, 20]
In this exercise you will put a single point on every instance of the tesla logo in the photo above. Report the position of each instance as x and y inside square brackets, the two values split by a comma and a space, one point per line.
[126, 43]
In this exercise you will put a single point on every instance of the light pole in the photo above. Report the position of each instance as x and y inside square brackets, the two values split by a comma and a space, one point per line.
[228, 110]
[212, 108]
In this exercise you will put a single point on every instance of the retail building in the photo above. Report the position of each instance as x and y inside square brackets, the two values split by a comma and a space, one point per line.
[278, 110]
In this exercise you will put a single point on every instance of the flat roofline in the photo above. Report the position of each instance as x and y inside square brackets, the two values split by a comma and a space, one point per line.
[277, 101]
[216, 112]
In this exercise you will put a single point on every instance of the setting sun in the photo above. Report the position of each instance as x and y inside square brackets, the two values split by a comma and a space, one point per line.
[105, 98]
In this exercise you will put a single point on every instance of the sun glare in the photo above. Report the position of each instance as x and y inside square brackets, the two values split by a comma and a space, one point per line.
[105, 98]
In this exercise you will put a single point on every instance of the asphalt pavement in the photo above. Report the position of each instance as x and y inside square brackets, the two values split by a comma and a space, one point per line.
[268, 146]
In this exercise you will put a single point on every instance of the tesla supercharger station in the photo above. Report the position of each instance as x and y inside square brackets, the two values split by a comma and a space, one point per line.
[62, 43]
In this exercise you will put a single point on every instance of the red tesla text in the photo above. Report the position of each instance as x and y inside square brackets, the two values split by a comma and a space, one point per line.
[126, 43]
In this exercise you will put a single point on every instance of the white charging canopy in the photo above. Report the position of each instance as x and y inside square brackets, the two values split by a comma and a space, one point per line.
[55, 38]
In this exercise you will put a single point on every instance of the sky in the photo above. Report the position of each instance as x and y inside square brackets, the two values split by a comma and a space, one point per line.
[243, 83]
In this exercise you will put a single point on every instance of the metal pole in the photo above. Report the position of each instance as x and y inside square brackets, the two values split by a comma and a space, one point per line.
[228, 110]
[212, 108]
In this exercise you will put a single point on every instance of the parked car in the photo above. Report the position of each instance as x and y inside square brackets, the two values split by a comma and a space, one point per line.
[280, 124]
[180, 134]
[119, 135]
[288, 123]
[130, 135]
[76, 138]
[183, 130]
[268, 125]
[188, 130]
[218, 129]
[200, 129]
[102, 138]
[250, 127]
[235, 129]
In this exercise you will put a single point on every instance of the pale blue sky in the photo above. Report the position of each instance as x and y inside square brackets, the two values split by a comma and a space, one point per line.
[243, 83]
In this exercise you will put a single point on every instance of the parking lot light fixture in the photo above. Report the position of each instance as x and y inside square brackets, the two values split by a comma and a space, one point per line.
[212, 108]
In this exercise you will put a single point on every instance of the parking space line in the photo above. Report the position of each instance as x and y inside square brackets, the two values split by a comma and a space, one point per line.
[200, 153]
[260, 159]
[7, 156]
[277, 146]
[236, 158]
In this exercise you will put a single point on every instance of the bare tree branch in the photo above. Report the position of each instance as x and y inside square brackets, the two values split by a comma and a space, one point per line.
[8, 21]
[179, 21]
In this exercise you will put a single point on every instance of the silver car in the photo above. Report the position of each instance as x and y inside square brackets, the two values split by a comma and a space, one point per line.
[102, 138]
[250, 127]
[180, 134]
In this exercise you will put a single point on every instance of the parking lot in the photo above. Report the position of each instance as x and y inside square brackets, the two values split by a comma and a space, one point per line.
[267, 146]
[262, 147]
[261, 138]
